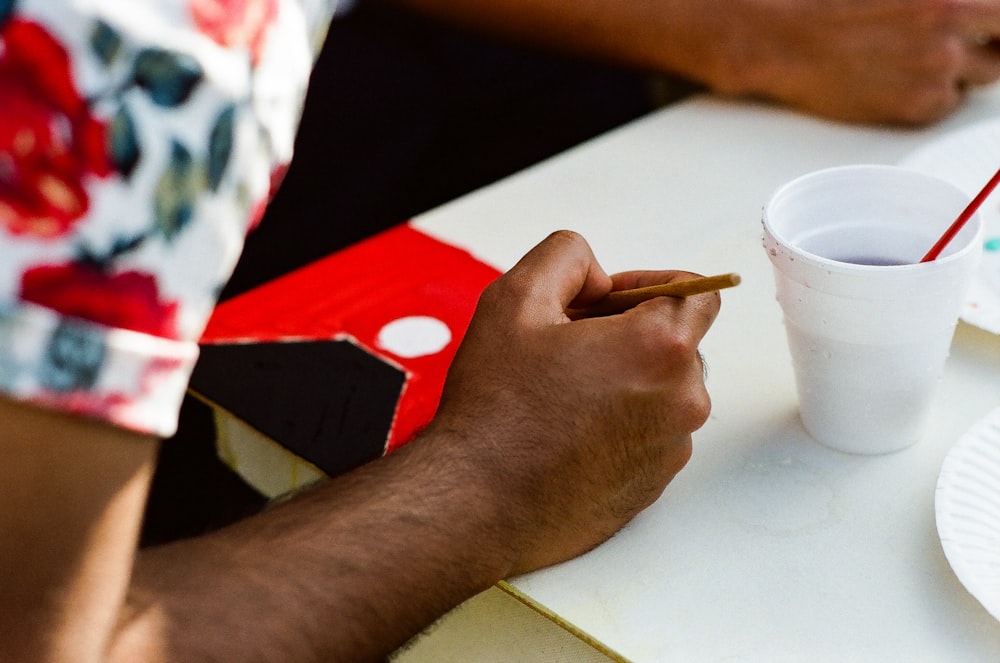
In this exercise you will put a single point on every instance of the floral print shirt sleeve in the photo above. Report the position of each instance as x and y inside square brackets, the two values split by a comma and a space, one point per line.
[139, 142]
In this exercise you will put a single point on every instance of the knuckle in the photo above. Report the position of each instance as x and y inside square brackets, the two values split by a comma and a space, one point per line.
[675, 372]
[507, 290]
[931, 103]
[938, 61]
[686, 406]
[949, 58]
[697, 408]
[942, 14]
[492, 294]
[564, 235]
[568, 240]
[501, 300]
[710, 304]
[949, 11]
[672, 340]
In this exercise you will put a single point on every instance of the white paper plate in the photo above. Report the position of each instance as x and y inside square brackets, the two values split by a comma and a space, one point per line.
[967, 509]
[968, 158]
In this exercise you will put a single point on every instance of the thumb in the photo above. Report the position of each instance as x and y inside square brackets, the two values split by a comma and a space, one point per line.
[561, 271]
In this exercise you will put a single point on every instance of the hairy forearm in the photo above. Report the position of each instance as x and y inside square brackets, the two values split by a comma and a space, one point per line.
[347, 571]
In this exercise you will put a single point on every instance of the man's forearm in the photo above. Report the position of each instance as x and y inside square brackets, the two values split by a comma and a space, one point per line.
[347, 571]
[678, 37]
[876, 61]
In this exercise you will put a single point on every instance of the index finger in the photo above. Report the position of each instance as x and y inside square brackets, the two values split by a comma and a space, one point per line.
[644, 278]
[619, 301]
[694, 312]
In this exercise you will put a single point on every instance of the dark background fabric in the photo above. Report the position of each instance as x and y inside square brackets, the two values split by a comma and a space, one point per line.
[403, 114]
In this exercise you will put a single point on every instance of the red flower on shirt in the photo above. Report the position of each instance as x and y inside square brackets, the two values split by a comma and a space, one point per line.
[49, 142]
[128, 300]
[235, 23]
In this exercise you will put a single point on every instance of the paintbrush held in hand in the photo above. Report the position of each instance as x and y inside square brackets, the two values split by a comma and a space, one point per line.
[623, 300]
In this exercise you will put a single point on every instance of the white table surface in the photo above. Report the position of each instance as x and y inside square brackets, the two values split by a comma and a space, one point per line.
[768, 546]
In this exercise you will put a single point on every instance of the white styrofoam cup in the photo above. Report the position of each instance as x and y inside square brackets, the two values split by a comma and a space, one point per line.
[868, 341]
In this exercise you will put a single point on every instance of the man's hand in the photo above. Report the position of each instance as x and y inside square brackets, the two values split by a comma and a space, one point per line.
[551, 435]
[579, 425]
[905, 61]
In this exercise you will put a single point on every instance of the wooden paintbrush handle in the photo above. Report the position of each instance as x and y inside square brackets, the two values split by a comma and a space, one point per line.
[623, 300]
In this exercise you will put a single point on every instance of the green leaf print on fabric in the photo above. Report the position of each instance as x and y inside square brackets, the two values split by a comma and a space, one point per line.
[220, 146]
[105, 42]
[73, 358]
[124, 145]
[177, 191]
[167, 76]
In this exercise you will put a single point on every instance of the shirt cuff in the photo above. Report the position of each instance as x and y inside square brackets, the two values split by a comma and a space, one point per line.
[126, 378]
